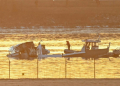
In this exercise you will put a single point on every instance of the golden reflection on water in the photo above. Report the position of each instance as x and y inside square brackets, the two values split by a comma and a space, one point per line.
[58, 67]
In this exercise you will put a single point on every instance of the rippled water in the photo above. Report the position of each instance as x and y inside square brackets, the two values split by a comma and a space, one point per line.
[60, 30]
[55, 40]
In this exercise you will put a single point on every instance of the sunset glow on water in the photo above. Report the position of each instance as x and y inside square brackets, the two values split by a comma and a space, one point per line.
[59, 67]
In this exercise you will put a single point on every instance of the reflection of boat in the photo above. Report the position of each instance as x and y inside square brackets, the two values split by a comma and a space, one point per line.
[89, 50]
[25, 50]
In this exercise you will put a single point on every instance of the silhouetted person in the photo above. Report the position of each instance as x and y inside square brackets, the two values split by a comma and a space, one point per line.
[87, 46]
[68, 44]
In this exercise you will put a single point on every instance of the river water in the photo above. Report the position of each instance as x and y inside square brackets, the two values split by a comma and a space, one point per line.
[55, 41]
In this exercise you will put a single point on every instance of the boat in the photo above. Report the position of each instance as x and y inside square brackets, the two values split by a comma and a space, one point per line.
[26, 50]
[89, 50]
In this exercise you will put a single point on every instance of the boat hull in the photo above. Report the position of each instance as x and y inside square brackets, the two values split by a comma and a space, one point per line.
[89, 53]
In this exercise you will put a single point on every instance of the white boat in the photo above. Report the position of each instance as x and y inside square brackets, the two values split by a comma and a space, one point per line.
[89, 50]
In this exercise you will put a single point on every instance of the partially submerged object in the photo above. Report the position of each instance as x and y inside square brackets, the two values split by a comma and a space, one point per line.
[89, 50]
[26, 50]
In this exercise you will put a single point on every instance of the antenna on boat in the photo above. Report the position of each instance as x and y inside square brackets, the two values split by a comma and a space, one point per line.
[109, 44]
[99, 36]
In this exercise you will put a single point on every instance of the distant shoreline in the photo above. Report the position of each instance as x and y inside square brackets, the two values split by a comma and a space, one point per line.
[78, 13]
[57, 27]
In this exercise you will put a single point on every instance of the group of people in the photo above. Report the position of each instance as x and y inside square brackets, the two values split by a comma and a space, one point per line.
[87, 45]
[93, 45]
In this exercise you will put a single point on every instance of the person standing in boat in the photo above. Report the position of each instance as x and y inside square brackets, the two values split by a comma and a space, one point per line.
[39, 48]
[68, 44]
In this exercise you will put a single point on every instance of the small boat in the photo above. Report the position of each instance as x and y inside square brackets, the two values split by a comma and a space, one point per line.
[89, 50]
